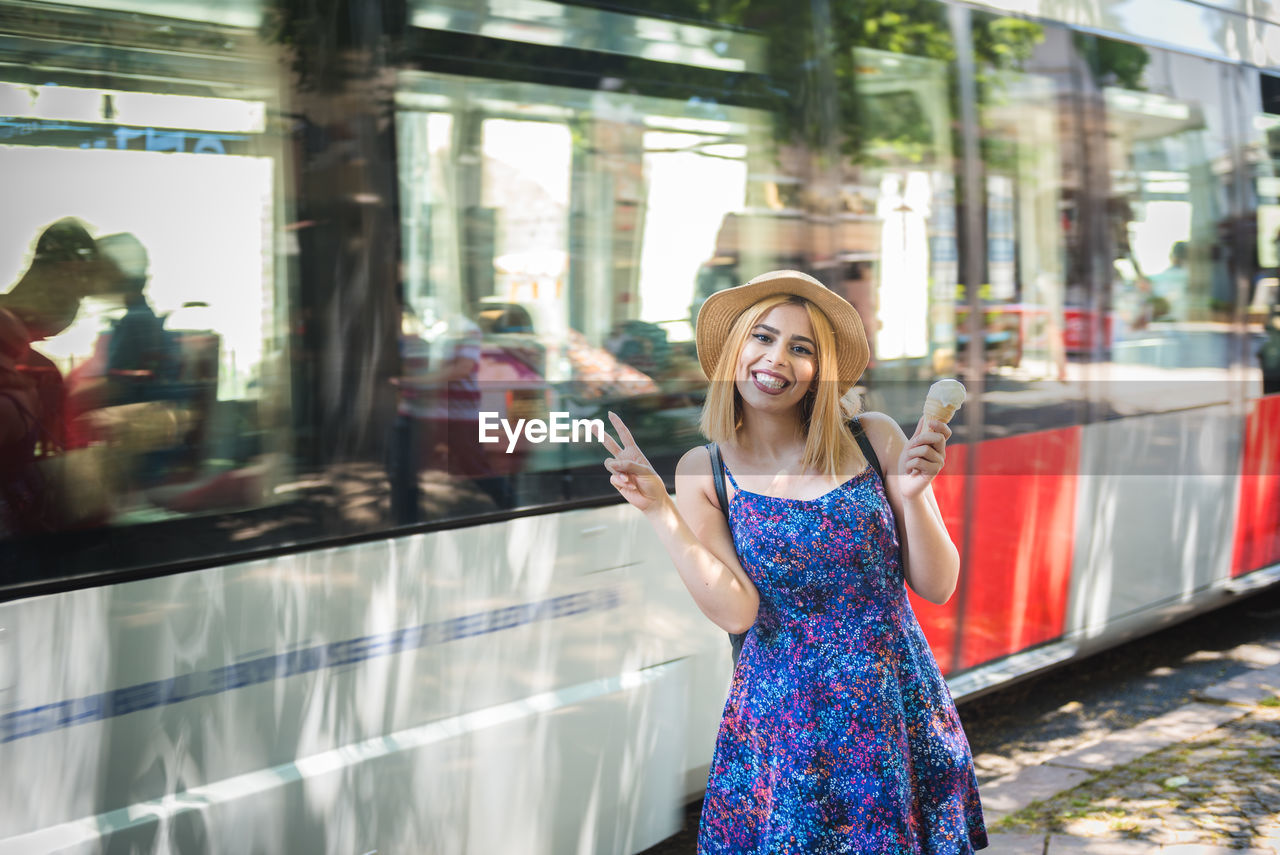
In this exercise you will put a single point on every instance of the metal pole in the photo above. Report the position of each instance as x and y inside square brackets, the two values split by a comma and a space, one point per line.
[973, 255]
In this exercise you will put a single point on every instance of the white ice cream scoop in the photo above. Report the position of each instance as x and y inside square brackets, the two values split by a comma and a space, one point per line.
[944, 398]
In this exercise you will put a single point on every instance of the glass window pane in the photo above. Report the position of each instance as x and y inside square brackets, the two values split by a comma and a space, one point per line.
[1173, 298]
[1035, 299]
[1261, 260]
[555, 262]
[341, 297]
[571, 235]
[139, 256]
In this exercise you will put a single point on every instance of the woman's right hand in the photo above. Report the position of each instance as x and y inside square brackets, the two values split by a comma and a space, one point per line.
[631, 473]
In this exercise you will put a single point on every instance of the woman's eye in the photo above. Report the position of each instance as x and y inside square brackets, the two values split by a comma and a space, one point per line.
[802, 350]
[762, 337]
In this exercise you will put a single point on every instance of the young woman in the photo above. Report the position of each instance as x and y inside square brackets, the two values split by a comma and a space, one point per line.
[839, 734]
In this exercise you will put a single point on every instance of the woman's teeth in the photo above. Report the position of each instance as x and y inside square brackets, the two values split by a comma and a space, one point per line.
[770, 382]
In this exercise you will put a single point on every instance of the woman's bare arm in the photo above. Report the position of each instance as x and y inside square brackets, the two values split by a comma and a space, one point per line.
[691, 528]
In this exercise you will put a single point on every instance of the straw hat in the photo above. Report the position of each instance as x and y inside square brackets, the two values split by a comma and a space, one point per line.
[722, 308]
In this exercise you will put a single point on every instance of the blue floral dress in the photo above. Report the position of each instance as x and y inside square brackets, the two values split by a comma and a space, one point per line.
[840, 734]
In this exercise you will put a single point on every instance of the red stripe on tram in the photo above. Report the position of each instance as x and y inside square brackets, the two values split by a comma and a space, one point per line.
[1257, 542]
[1023, 526]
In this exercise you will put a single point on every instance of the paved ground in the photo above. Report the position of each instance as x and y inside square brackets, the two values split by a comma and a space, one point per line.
[1085, 701]
[1126, 725]
[1171, 742]
[1203, 778]
[1225, 793]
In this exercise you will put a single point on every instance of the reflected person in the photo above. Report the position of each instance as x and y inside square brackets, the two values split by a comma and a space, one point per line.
[22, 489]
[1169, 297]
[139, 357]
[439, 410]
[65, 268]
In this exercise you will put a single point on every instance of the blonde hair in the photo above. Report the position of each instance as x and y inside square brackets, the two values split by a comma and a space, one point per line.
[824, 414]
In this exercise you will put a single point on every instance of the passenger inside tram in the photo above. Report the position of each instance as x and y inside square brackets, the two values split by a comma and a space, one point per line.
[1169, 287]
[133, 356]
[66, 268]
[126, 394]
[141, 358]
[438, 410]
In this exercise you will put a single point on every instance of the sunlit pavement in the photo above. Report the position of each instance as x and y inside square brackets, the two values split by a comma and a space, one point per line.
[1204, 778]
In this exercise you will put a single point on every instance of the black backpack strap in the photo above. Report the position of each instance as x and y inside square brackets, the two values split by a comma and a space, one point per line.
[717, 475]
[722, 496]
[865, 444]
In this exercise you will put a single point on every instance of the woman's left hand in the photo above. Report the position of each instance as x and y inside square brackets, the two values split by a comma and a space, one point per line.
[924, 456]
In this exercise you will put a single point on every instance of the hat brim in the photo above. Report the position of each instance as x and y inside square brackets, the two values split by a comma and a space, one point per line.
[718, 313]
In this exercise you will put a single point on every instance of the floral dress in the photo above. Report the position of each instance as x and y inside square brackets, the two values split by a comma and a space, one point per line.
[839, 734]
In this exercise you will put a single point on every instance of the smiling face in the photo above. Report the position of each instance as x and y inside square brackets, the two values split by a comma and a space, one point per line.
[779, 359]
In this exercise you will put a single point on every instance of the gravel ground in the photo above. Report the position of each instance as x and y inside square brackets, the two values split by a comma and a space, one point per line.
[1084, 701]
[1222, 789]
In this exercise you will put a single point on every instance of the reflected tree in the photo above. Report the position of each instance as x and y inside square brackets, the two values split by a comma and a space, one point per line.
[1114, 63]
[799, 48]
[342, 54]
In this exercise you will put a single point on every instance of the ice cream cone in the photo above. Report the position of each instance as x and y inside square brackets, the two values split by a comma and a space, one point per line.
[945, 397]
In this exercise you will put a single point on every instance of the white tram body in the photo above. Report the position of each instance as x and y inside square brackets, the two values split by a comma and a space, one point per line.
[538, 685]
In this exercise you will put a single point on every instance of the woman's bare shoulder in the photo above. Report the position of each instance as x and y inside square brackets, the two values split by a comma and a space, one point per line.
[694, 481]
[884, 432]
[696, 462]
[873, 421]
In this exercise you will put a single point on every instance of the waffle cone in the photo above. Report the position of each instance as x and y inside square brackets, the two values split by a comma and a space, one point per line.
[941, 412]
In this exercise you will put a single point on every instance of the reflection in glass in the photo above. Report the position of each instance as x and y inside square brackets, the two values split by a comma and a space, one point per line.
[1032, 187]
[158, 366]
[1173, 298]
[558, 226]
[1262, 265]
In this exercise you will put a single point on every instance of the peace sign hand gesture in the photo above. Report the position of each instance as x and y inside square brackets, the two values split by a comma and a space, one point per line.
[632, 474]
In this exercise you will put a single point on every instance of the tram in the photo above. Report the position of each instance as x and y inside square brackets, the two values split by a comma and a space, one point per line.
[262, 588]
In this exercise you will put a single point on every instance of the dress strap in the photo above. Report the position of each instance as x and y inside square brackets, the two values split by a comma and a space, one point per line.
[725, 467]
[718, 471]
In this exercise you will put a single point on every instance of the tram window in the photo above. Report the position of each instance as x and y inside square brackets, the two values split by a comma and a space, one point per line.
[141, 292]
[561, 219]
[571, 235]
[151, 373]
[1260, 257]
[1034, 300]
[898, 229]
[551, 254]
[1173, 303]
[899, 235]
